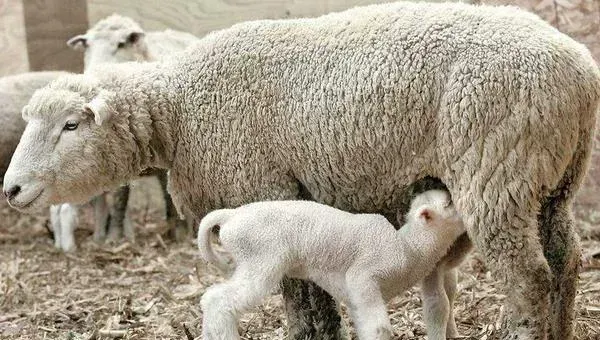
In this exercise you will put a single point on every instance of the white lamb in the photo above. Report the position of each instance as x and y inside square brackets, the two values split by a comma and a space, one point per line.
[359, 259]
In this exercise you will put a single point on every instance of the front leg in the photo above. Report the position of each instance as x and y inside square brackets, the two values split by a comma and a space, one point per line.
[178, 229]
[101, 217]
[436, 305]
[367, 308]
[119, 225]
[311, 312]
[450, 285]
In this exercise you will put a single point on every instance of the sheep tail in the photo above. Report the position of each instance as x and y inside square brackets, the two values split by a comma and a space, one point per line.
[211, 220]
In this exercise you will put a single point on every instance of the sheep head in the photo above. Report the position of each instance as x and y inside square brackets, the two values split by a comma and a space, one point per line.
[112, 40]
[72, 147]
[434, 211]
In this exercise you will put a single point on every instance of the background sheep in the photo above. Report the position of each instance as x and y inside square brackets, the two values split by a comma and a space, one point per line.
[118, 38]
[247, 115]
[15, 92]
[112, 40]
[359, 259]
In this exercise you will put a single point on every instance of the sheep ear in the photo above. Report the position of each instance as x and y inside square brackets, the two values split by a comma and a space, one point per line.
[78, 42]
[25, 113]
[135, 37]
[99, 109]
[426, 214]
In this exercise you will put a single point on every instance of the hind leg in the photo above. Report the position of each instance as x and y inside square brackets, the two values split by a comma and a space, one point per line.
[506, 234]
[563, 252]
[222, 304]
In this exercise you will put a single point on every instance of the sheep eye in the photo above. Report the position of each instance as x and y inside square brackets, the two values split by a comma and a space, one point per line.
[121, 45]
[70, 126]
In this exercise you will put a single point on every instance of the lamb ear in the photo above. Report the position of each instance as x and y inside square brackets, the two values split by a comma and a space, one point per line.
[99, 108]
[425, 214]
[78, 42]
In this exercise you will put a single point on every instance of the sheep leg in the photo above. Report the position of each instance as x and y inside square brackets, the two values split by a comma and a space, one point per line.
[311, 311]
[367, 309]
[451, 287]
[68, 216]
[178, 229]
[101, 217]
[436, 304]
[223, 303]
[434, 296]
[563, 252]
[55, 225]
[118, 214]
[506, 234]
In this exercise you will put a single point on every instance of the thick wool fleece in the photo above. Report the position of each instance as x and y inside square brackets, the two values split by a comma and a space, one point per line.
[350, 109]
[15, 92]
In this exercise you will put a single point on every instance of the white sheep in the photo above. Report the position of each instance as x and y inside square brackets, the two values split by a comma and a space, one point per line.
[15, 92]
[117, 39]
[349, 109]
[360, 259]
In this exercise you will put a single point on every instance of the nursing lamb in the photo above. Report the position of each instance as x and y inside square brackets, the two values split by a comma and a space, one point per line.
[359, 259]
[349, 109]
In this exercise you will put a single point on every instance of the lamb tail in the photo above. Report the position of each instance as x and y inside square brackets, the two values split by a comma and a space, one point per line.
[211, 220]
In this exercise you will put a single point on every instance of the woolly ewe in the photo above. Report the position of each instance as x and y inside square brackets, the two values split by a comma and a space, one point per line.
[349, 109]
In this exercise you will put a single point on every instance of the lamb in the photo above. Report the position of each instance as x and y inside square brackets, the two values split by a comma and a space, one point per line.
[350, 109]
[117, 39]
[359, 259]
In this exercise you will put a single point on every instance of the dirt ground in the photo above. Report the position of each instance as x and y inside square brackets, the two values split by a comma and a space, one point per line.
[151, 289]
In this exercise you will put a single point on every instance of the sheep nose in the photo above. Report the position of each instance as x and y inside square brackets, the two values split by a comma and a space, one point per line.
[12, 192]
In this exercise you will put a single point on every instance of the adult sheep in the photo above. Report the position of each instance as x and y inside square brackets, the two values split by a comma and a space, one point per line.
[349, 109]
[116, 39]
[15, 92]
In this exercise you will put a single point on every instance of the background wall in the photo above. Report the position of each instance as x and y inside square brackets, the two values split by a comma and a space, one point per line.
[13, 46]
[33, 34]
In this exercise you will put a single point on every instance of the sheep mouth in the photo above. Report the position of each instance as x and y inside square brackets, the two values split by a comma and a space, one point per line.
[23, 206]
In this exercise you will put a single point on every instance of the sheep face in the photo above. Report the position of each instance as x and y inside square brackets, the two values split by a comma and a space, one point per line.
[112, 40]
[67, 152]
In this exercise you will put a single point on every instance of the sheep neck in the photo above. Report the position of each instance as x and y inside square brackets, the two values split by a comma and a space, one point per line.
[145, 100]
[417, 253]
